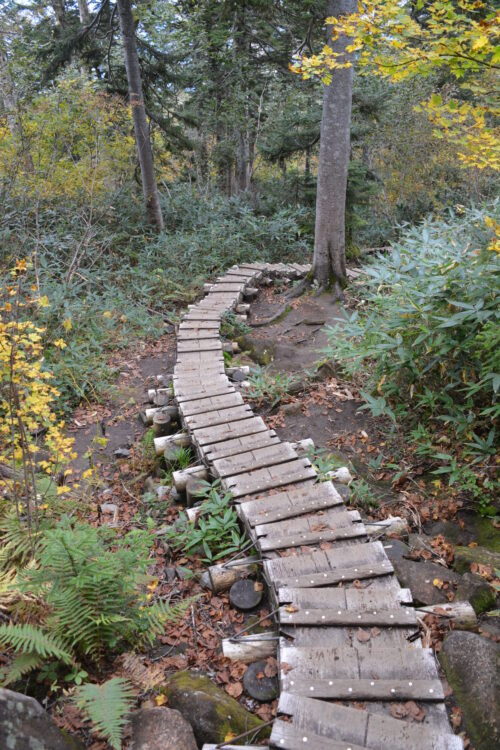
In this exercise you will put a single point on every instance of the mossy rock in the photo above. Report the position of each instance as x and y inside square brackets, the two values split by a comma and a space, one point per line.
[477, 591]
[260, 350]
[471, 665]
[212, 713]
[487, 535]
[465, 556]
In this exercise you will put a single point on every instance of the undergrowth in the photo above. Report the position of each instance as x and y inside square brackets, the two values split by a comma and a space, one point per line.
[425, 339]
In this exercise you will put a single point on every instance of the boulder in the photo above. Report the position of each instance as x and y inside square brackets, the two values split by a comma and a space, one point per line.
[471, 666]
[396, 550]
[212, 713]
[259, 348]
[477, 591]
[465, 556]
[161, 727]
[24, 725]
[420, 577]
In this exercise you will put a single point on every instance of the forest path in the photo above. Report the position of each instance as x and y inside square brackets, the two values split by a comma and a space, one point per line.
[348, 631]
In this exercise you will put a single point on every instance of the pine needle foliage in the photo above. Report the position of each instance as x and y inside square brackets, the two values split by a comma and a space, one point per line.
[107, 706]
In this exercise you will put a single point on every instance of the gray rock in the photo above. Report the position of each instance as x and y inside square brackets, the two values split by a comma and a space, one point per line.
[210, 710]
[122, 453]
[471, 665]
[396, 549]
[295, 407]
[161, 727]
[419, 577]
[464, 556]
[24, 725]
[477, 591]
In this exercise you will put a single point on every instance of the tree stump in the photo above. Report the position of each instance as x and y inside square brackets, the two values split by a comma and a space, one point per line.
[246, 594]
[257, 683]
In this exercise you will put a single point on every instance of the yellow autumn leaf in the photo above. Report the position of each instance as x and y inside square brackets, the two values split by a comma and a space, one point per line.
[87, 473]
[44, 301]
[107, 314]
[230, 736]
[160, 700]
[67, 324]
[64, 488]
[60, 343]
[438, 583]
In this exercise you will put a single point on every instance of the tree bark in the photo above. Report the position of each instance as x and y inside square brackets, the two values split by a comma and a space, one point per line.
[10, 102]
[143, 144]
[83, 10]
[329, 268]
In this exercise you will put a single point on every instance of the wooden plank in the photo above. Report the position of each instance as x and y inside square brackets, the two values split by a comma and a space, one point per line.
[396, 617]
[200, 405]
[291, 503]
[219, 433]
[200, 325]
[366, 728]
[260, 457]
[331, 597]
[202, 315]
[364, 689]
[202, 358]
[266, 479]
[219, 417]
[199, 345]
[311, 530]
[240, 445]
[289, 737]
[199, 334]
[226, 286]
[328, 518]
[349, 662]
[189, 392]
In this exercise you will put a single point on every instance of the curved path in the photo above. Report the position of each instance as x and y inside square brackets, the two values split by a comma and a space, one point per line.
[350, 658]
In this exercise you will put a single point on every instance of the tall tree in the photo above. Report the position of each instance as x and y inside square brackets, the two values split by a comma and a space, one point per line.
[329, 237]
[141, 129]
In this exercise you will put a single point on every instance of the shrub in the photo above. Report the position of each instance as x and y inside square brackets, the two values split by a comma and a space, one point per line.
[427, 336]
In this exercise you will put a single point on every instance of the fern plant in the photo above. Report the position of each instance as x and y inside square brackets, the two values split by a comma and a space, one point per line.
[107, 706]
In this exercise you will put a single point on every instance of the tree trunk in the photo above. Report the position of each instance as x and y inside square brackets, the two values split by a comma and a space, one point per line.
[59, 8]
[83, 10]
[10, 102]
[329, 240]
[141, 130]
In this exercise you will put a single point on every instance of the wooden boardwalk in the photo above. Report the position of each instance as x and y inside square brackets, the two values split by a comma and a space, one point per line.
[350, 659]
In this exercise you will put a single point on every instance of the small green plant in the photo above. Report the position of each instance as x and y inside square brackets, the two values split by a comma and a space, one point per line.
[267, 386]
[216, 532]
[107, 706]
[362, 494]
[324, 462]
[231, 327]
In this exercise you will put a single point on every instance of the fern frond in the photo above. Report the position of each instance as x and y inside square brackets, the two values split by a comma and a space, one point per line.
[30, 640]
[107, 706]
[21, 665]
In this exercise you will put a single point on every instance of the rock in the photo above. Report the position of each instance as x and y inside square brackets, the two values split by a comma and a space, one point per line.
[295, 407]
[257, 684]
[210, 710]
[122, 453]
[161, 727]
[260, 349]
[474, 528]
[396, 549]
[471, 666]
[246, 594]
[419, 577]
[24, 725]
[464, 556]
[477, 591]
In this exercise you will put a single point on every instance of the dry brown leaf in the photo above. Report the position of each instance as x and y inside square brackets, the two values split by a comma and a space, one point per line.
[235, 689]
[363, 636]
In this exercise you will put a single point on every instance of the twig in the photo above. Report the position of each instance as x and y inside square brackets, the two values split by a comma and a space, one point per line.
[193, 623]
[253, 624]
[245, 734]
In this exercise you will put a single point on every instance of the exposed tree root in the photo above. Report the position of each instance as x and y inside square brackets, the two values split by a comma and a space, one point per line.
[270, 320]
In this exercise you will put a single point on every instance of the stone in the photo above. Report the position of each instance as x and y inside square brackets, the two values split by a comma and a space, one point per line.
[471, 665]
[465, 556]
[295, 407]
[161, 727]
[396, 549]
[212, 713]
[258, 685]
[24, 725]
[122, 453]
[477, 591]
[420, 577]
[260, 349]
[342, 475]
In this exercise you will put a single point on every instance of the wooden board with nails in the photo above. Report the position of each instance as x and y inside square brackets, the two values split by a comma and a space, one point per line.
[348, 627]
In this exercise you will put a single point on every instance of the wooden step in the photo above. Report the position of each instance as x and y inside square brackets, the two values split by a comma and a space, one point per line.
[219, 433]
[200, 405]
[235, 446]
[268, 478]
[312, 529]
[258, 458]
[219, 417]
[291, 503]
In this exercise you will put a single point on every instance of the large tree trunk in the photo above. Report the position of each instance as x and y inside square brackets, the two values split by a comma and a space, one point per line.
[141, 129]
[329, 239]
[83, 10]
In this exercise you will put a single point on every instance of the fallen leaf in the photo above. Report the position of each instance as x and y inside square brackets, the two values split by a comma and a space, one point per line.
[160, 700]
[363, 636]
[235, 689]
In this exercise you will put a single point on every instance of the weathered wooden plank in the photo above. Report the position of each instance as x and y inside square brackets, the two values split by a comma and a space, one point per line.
[200, 405]
[238, 445]
[200, 325]
[203, 357]
[345, 598]
[364, 689]
[188, 392]
[321, 568]
[289, 737]
[368, 729]
[198, 345]
[329, 526]
[260, 457]
[396, 617]
[210, 435]
[291, 503]
[265, 479]
[226, 287]
[353, 662]
[202, 315]
[198, 334]
[219, 417]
